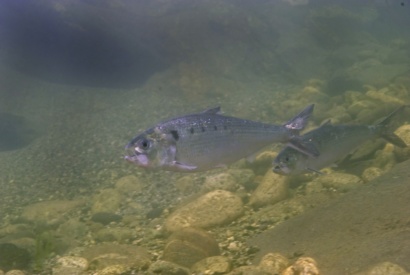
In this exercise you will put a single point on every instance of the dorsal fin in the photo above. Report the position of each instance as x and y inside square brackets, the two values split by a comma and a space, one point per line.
[214, 111]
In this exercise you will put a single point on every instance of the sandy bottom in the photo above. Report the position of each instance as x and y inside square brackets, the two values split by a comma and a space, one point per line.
[366, 226]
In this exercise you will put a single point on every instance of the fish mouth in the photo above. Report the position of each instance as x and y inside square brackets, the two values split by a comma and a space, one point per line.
[281, 170]
[136, 158]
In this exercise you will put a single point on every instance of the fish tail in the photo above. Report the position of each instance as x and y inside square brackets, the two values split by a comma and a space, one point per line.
[386, 133]
[299, 122]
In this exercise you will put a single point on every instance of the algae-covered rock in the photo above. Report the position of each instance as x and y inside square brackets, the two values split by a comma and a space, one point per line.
[376, 213]
[189, 245]
[222, 181]
[384, 268]
[108, 200]
[214, 208]
[248, 270]
[271, 190]
[116, 234]
[13, 257]
[129, 184]
[105, 255]
[273, 263]
[165, 267]
[49, 212]
[70, 265]
[371, 173]
[339, 181]
[213, 265]
[302, 266]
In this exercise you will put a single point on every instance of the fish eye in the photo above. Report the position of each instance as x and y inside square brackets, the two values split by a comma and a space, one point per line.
[144, 144]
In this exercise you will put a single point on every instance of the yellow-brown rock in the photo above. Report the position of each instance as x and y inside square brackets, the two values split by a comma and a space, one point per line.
[190, 245]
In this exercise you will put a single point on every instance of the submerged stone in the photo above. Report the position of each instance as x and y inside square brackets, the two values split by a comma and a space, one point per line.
[13, 257]
[212, 209]
[363, 227]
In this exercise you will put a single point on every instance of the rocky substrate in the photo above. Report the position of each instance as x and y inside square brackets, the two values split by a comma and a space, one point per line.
[205, 232]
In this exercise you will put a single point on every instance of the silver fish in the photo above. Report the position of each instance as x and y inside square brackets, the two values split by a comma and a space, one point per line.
[334, 142]
[207, 140]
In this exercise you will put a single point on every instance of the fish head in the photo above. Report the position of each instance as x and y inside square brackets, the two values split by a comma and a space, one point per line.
[286, 162]
[151, 150]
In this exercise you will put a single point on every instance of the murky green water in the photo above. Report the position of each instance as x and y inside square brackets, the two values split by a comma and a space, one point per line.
[79, 79]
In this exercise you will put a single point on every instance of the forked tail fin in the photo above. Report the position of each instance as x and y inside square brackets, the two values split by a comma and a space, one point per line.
[295, 125]
[386, 133]
[300, 121]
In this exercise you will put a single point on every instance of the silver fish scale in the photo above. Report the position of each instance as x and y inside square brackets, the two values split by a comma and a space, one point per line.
[204, 137]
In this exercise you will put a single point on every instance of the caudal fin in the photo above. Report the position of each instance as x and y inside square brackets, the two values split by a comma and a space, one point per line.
[297, 124]
[300, 121]
[388, 135]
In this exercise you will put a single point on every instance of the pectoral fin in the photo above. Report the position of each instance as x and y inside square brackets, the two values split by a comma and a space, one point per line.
[305, 147]
[183, 167]
[314, 171]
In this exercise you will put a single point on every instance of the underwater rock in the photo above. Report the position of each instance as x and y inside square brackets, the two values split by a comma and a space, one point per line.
[164, 267]
[117, 234]
[104, 255]
[243, 177]
[371, 173]
[222, 181]
[109, 200]
[13, 257]
[117, 269]
[384, 268]
[49, 212]
[339, 181]
[189, 245]
[385, 159]
[248, 270]
[105, 218]
[271, 190]
[129, 184]
[68, 265]
[273, 263]
[377, 73]
[383, 96]
[73, 229]
[404, 133]
[212, 265]
[16, 272]
[377, 213]
[12, 229]
[357, 106]
[262, 162]
[302, 266]
[212, 209]
[186, 184]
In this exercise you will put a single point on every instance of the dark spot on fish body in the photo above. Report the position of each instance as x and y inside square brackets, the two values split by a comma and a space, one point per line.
[175, 134]
[202, 128]
[225, 127]
[215, 128]
[192, 130]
